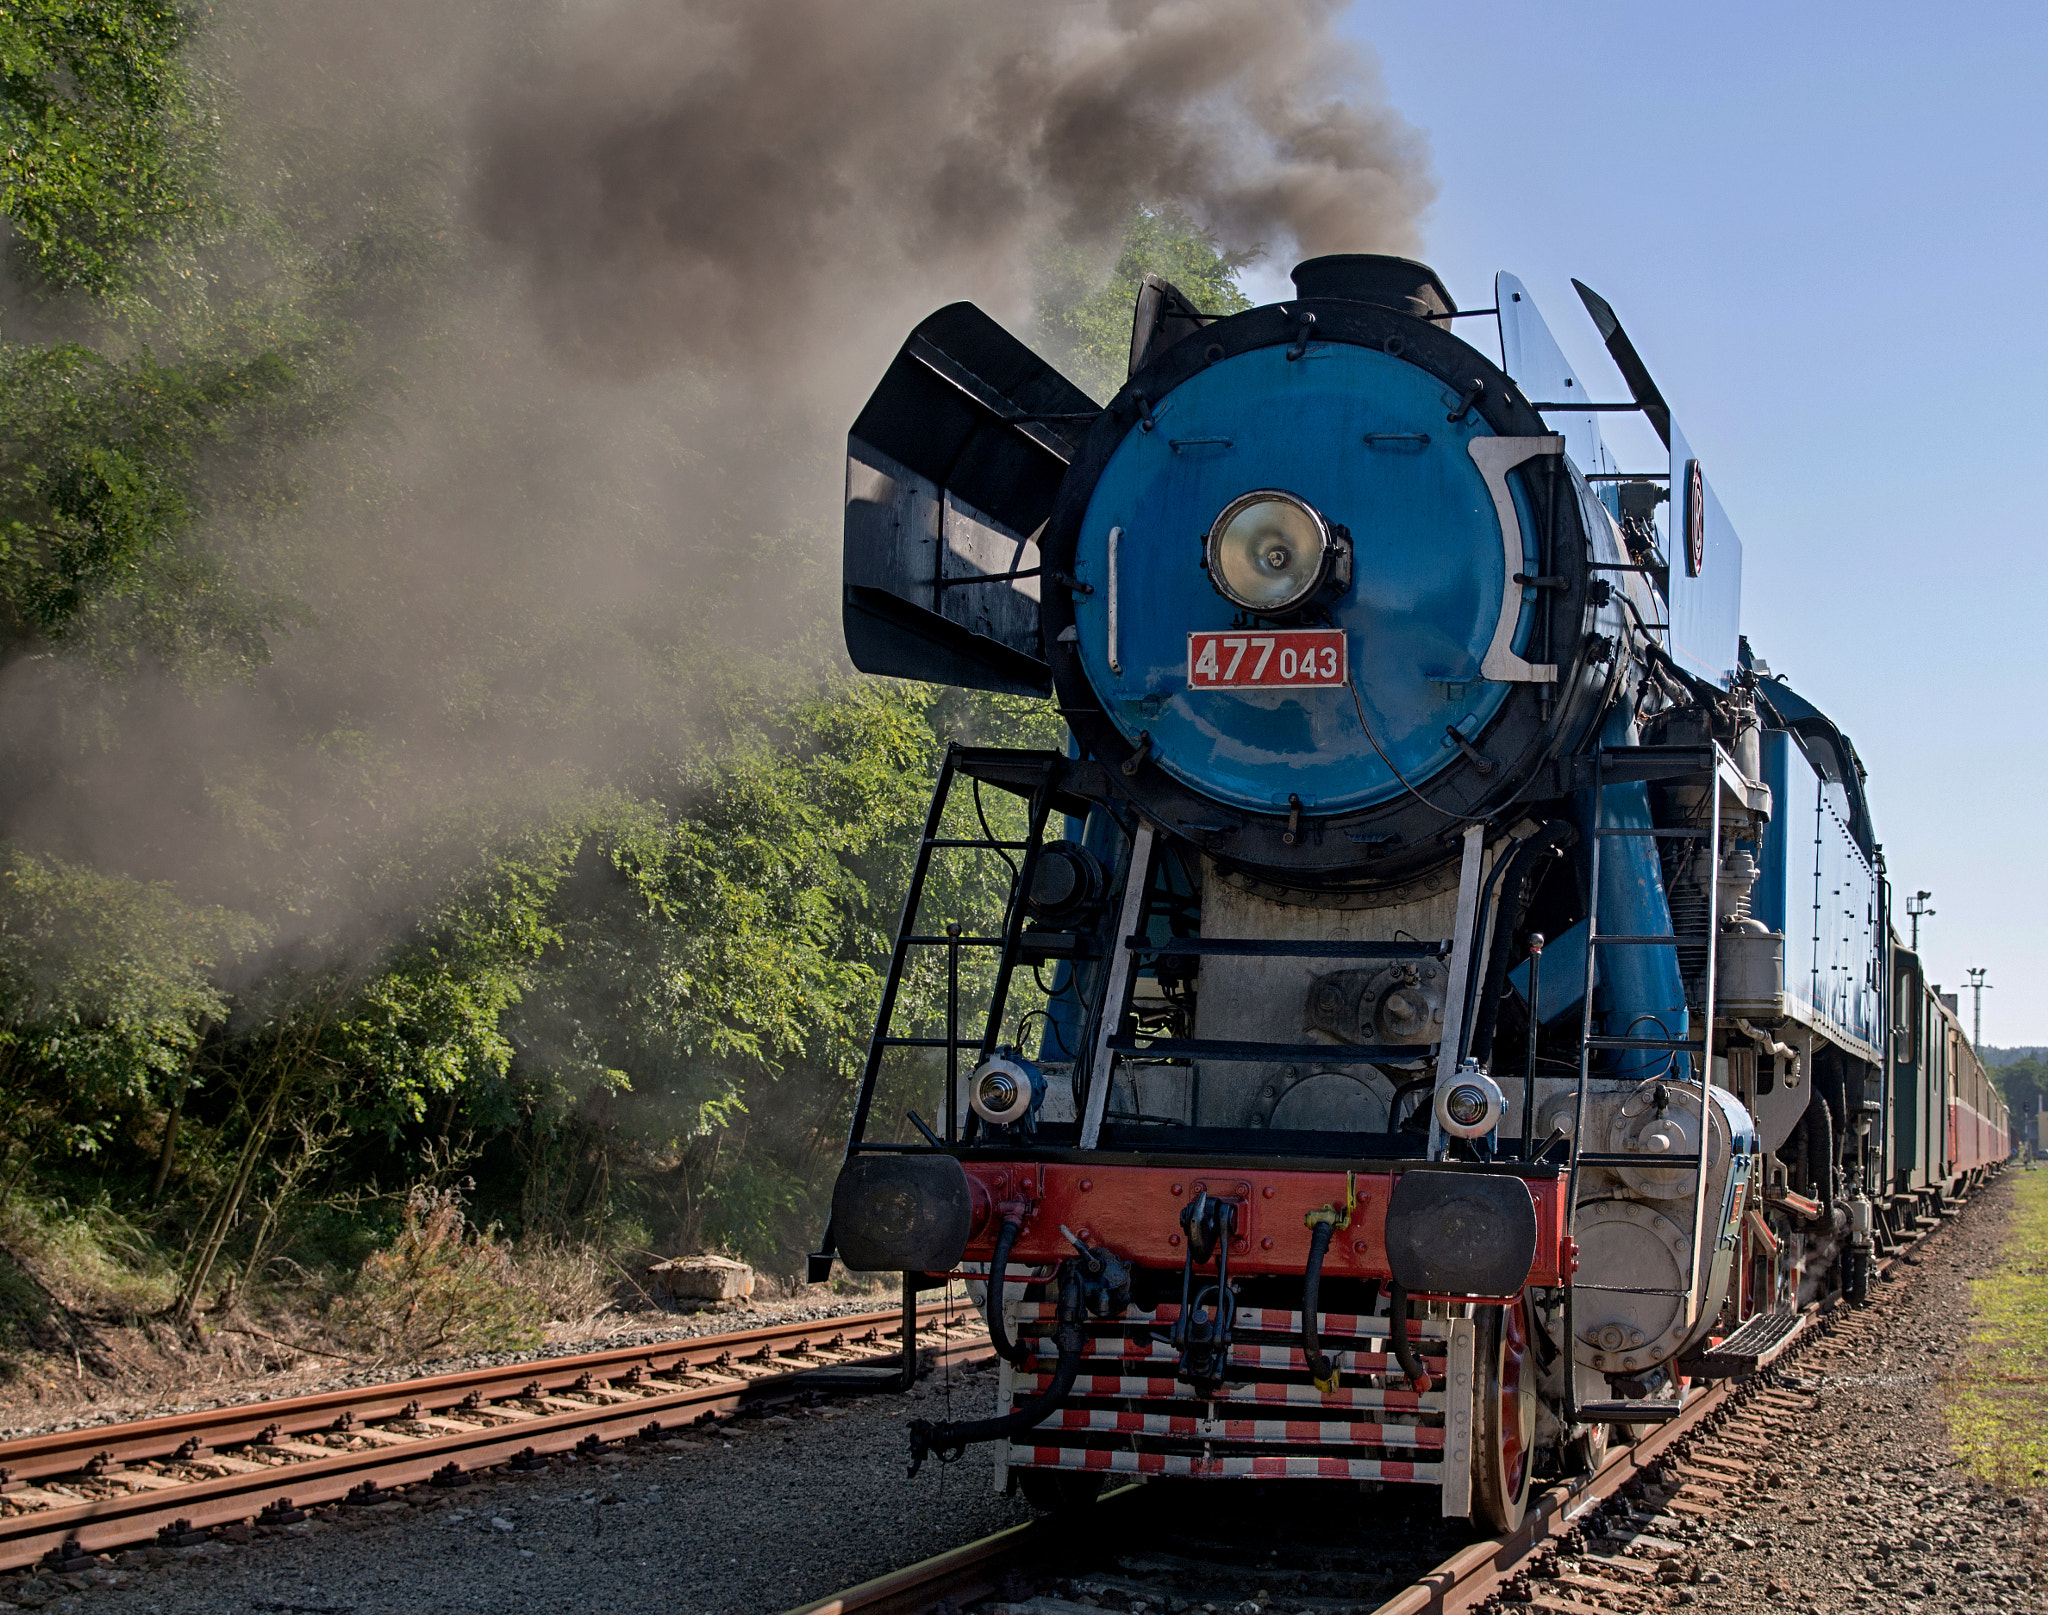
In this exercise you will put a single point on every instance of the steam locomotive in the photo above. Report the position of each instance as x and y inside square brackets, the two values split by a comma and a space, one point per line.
[1474, 1014]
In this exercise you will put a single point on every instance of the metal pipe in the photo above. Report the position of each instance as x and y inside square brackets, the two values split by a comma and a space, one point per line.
[908, 1380]
[1535, 1030]
[1779, 1051]
[952, 1031]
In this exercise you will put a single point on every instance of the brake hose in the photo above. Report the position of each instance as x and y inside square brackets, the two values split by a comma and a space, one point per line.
[947, 1440]
[999, 1326]
[1404, 1353]
[1322, 1225]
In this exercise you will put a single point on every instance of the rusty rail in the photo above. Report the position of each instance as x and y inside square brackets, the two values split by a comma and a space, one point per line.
[458, 1423]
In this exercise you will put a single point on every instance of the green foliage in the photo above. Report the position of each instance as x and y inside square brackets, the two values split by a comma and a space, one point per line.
[1085, 321]
[105, 986]
[99, 495]
[105, 145]
[2020, 1083]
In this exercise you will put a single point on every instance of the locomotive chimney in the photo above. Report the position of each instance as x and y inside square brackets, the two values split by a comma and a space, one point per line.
[1370, 277]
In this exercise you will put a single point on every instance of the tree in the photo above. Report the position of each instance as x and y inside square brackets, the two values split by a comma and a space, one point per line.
[105, 142]
[100, 496]
[2020, 1083]
[1085, 319]
[106, 985]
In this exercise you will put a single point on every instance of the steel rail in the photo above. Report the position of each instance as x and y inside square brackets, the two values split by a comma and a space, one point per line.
[961, 1575]
[639, 1410]
[1477, 1571]
[68, 1451]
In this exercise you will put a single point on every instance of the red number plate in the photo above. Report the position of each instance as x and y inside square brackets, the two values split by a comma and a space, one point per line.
[1279, 659]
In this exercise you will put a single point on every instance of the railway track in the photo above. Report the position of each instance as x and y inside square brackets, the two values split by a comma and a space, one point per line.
[70, 1494]
[1592, 1546]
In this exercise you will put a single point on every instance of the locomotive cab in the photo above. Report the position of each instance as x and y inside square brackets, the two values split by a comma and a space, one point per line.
[1361, 1071]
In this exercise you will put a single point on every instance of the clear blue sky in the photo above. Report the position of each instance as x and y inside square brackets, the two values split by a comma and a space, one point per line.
[1824, 228]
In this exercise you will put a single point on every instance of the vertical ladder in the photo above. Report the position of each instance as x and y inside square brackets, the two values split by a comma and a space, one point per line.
[1039, 809]
[1643, 763]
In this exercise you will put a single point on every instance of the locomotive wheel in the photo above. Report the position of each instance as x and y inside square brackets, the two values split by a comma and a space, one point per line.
[1585, 1454]
[1504, 1429]
[1058, 1491]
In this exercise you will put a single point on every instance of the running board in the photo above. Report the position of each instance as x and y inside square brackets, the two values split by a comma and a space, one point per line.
[1755, 1346]
[1625, 1412]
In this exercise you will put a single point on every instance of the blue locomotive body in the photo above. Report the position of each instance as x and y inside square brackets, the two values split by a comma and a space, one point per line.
[1473, 987]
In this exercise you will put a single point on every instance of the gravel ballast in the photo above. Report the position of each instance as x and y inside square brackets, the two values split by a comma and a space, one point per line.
[1862, 1508]
[311, 1375]
[763, 1515]
[1867, 1507]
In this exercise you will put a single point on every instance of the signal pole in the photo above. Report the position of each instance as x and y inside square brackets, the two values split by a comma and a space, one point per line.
[1916, 906]
[1978, 987]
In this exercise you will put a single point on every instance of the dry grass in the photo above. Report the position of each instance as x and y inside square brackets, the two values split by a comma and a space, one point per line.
[440, 1288]
[571, 1283]
[1998, 1399]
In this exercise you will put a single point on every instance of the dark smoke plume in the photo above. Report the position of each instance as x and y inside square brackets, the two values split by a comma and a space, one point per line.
[667, 246]
[750, 177]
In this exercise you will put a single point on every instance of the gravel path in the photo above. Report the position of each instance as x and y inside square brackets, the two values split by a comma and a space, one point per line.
[769, 1513]
[1871, 1511]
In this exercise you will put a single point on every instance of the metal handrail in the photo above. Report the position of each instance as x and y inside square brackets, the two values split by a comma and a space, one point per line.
[1589, 1044]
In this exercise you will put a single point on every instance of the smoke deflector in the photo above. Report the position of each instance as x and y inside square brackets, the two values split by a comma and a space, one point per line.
[951, 470]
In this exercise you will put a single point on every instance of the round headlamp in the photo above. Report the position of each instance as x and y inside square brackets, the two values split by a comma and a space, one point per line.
[1003, 1089]
[1273, 553]
[1469, 1104]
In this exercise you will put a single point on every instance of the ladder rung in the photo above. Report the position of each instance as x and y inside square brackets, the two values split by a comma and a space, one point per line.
[1662, 835]
[964, 941]
[985, 846]
[1618, 941]
[1285, 948]
[1628, 1158]
[963, 1041]
[1666, 1044]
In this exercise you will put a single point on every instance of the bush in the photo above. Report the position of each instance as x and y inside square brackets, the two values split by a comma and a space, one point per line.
[441, 1287]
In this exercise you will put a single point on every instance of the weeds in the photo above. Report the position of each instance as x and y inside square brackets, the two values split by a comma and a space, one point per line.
[93, 1258]
[1998, 1401]
[441, 1287]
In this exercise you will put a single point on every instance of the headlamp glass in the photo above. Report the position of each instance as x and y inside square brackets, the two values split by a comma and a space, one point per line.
[1268, 552]
[1466, 1105]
